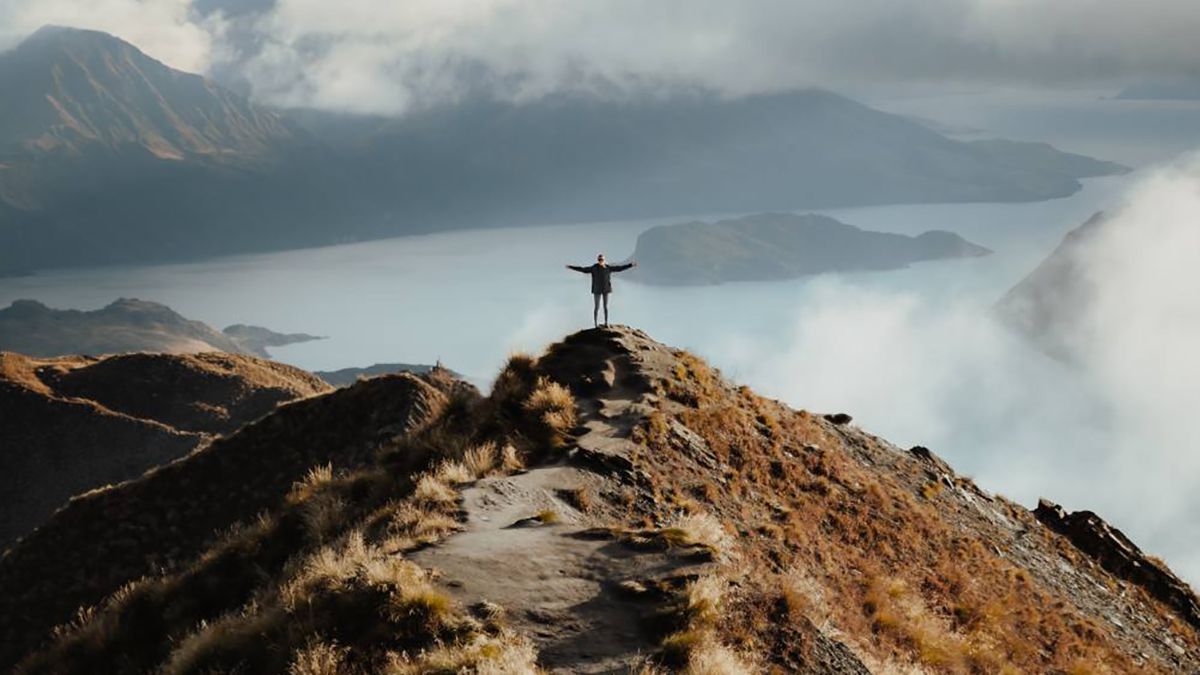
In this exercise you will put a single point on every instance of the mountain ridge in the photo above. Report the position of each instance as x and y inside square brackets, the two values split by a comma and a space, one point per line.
[623, 484]
[74, 424]
[108, 156]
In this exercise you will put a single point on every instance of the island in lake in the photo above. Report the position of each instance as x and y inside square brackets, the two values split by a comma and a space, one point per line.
[773, 246]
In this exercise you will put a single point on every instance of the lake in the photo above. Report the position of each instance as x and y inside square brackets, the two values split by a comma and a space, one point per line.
[469, 298]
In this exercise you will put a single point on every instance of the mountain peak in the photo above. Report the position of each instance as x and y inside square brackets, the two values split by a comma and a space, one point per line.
[75, 91]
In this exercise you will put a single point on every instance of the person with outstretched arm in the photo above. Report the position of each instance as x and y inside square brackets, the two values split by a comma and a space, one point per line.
[601, 284]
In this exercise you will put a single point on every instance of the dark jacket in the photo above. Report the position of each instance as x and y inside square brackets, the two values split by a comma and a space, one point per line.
[601, 275]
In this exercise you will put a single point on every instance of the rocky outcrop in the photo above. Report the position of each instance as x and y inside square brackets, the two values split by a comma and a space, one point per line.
[1116, 553]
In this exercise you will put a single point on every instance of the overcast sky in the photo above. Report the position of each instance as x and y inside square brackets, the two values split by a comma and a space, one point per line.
[376, 56]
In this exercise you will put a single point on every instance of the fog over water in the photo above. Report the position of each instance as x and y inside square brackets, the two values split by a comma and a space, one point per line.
[913, 354]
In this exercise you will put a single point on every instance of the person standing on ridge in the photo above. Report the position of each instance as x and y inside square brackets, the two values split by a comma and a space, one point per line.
[601, 284]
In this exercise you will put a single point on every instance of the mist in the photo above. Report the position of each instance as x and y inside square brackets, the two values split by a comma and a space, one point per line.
[1112, 432]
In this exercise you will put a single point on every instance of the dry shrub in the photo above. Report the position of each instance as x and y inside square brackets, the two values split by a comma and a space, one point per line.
[512, 387]
[548, 516]
[314, 481]
[510, 459]
[713, 658]
[703, 597]
[481, 459]
[318, 658]
[431, 491]
[702, 529]
[453, 473]
[483, 655]
[552, 407]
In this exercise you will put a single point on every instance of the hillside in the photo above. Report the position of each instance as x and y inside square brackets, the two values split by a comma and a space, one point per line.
[126, 325]
[74, 424]
[613, 506]
[1048, 305]
[108, 156]
[770, 246]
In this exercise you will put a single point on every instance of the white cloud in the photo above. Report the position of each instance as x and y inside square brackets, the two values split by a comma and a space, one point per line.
[165, 29]
[1114, 434]
[385, 57]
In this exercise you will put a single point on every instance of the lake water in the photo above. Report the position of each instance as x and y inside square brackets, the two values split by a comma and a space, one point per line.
[913, 354]
[469, 298]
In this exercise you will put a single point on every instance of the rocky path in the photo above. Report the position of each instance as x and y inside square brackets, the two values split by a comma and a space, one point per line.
[561, 589]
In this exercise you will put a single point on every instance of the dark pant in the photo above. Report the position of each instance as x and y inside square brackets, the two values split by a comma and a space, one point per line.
[596, 308]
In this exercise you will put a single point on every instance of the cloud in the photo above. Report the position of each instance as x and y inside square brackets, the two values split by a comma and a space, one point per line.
[1114, 434]
[387, 57]
[166, 29]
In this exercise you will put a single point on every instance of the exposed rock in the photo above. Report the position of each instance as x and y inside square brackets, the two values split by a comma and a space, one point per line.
[1112, 549]
[839, 418]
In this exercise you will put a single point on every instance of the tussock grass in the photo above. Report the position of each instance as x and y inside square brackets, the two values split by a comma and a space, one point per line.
[703, 600]
[319, 658]
[714, 658]
[454, 473]
[481, 459]
[431, 491]
[510, 459]
[552, 407]
[504, 654]
[690, 529]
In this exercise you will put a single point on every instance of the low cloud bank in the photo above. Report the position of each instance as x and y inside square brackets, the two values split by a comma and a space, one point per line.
[1114, 433]
[367, 56]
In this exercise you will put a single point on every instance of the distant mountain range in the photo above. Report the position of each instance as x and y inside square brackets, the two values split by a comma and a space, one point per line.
[127, 325]
[769, 246]
[109, 156]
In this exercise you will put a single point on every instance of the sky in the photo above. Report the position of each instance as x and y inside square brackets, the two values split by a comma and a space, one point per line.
[374, 57]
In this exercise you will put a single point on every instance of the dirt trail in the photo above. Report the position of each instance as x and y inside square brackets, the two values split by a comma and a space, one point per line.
[560, 589]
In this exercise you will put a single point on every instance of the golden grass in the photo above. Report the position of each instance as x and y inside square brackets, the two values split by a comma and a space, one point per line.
[510, 459]
[483, 655]
[318, 658]
[431, 491]
[698, 529]
[481, 460]
[548, 516]
[553, 406]
[703, 597]
[452, 472]
[964, 608]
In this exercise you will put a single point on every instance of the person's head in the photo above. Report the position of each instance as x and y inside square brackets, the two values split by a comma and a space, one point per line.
[600, 259]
